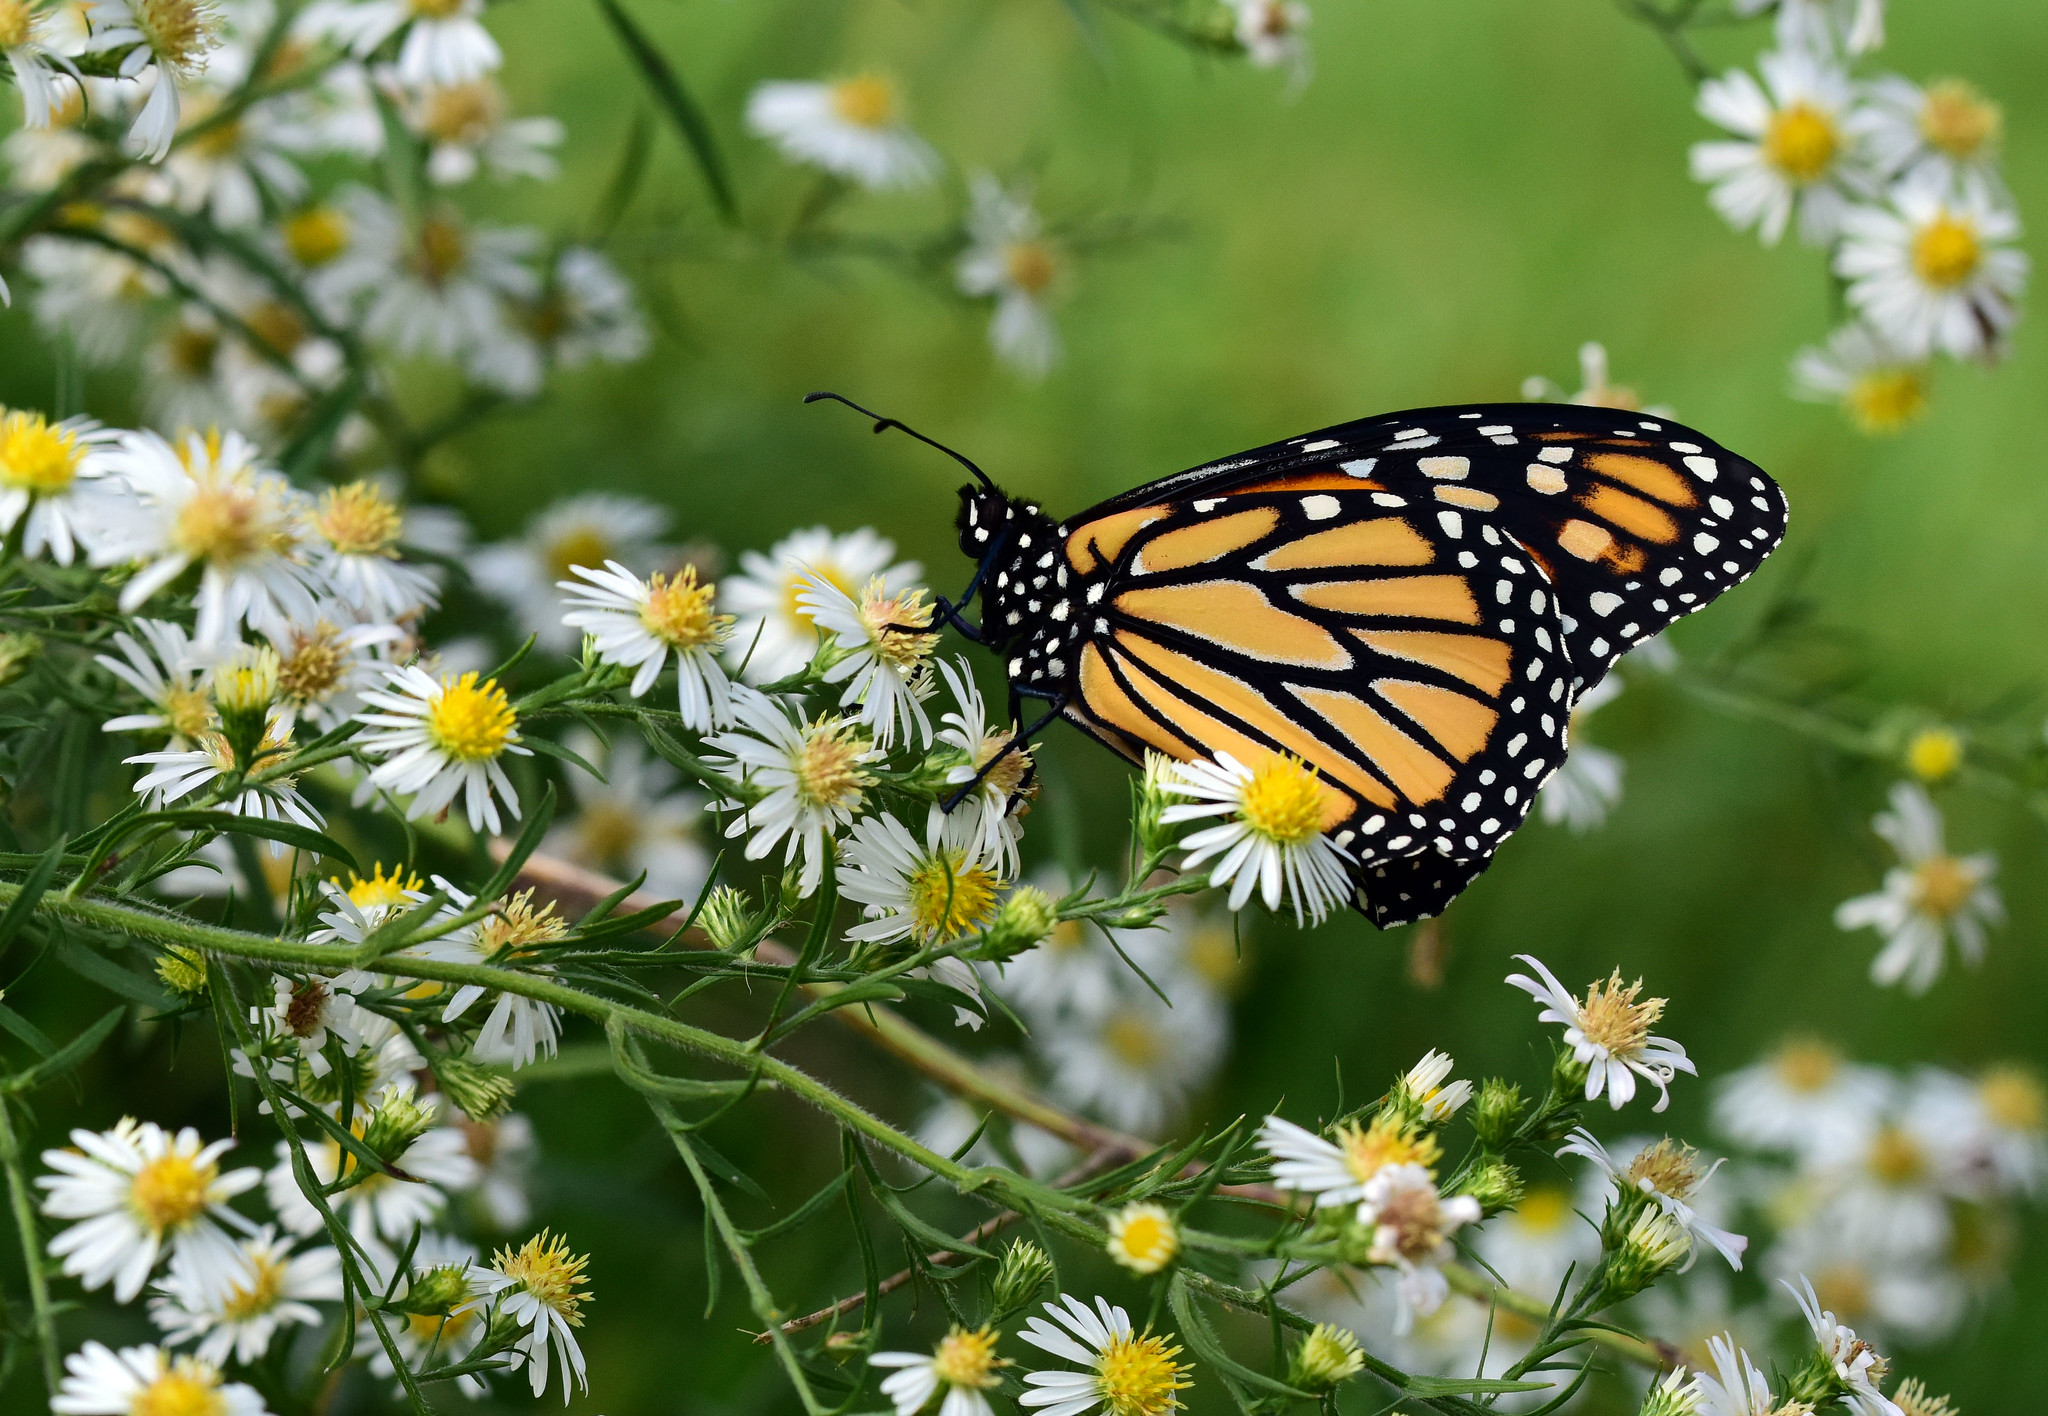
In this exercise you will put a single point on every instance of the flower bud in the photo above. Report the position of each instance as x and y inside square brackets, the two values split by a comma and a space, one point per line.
[437, 1291]
[1155, 794]
[182, 970]
[1652, 1247]
[1679, 1394]
[1025, 1269]
[1423, 1095]
[727, 920]
[1327, 1356]
[1497, 1185]
[1025, 918]
[244, 687]
[1934, 753]
[17, 650]
[400, 1118]
[1496, 1113]
[480, 1091]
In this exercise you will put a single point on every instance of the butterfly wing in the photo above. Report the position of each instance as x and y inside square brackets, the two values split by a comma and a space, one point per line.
[1638, 520]
[1343, 623]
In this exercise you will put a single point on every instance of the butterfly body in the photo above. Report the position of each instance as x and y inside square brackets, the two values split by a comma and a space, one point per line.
[1411, 604]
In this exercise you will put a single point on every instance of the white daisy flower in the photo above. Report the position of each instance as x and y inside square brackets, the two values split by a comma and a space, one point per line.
[812, 776]
[97, 298]
[1609, 1034]
[172, 677]
[55, 474]
[39, 157]
[887, 671]
[39, 68]
[1857, 1365]
[135, 1190]
[2001, 1117]
[539, 1286]
[275, 1288]
[1271, 32]
[1735, 1387]
[1822, 26]
[1928, 897]
[504, 1151]
[852, 128]
[594, 529]
[445, 40]
[931, 892]
[323, 668]
[1009, 258]
[312, 1010]
[1273, 837]
[773, 634]
[1135, 1064]
[1587, 785]
[1795, 150]
[1125, 1372]
[176, 774]
[1934, 270]
[964, 1365]
[1945, 132]
[207, 502]
[1336, 1173]
[380, 1206]
[1880, 389]
[582, 310]
[358, 529]
[357, 909]
[1005, 792]
[1803, 1099]
[1892, 1195]
[1671, 1175]
[234, 172]
[141, 1381]
[469, 127]
[172, 41]
[517, 1028]
[1411, 1230]
[1425, 1085]
[1912, 1298]
[634, 822]
[442, 739]
[642, 623]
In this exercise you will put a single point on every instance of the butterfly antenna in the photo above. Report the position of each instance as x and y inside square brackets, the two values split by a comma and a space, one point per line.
[882, 423]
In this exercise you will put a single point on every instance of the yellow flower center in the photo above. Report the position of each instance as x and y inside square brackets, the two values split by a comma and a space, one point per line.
[171, 1191]
[517, 926]
[472, 722]
[312, 673]
[192, 351]
[827, 768]
[381, 890]
[427, 1327]
[1670, 1167]
[436, 9]
[886, 616]
[1133, 1041]
[316, 235]
[36, 457]
[2013, 1098]
[17, 23]
[1030, 265]
[1369, 1150]
[1285, 802]
[276, 326]
[606, 833]
[1942, 885]
[187, 711]
[1144, 1238]
[948, 897]
[1843, 1289]
[968, 1359]
[581, 544]
[247, 683]
[793, 585]
[189, 1388]
[1934, 753]
[546, 1269]
[1012, 772]
[1895, 1157]
[1946, 251]
[1805, 1066]
[462, 113]
[1886, 400]
[181, 33]
[265, 1287]
[1801, 141]
[866, 101]
[231, 519]
[1138, 1376]
[1959, 120]
[678, 611]
[358, 520]
[440, 251]
[1913, 1399]
[1612, 1018]
[1546, 1209]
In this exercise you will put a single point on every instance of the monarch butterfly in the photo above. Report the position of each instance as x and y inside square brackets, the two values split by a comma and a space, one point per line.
[1410, 604]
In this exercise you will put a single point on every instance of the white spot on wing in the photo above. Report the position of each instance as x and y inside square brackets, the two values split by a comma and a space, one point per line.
[1320, 507]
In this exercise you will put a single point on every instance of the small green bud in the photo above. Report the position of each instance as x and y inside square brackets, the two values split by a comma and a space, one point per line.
[728, 921]
[438, 1290]
[1496, 1112]
[1155, 794]
[1679, 1394]
[399, 1119]
[1025, 1270]
[1497, 1185]
[182, 970]
[244, 687]
[1327, 1356]
[480, 1091]
[17, 651]
[1025, 919]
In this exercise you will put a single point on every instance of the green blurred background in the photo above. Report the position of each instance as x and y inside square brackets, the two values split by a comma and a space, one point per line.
[1462, 195]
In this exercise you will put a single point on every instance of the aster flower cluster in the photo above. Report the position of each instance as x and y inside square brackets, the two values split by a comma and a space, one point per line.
[1897, 180]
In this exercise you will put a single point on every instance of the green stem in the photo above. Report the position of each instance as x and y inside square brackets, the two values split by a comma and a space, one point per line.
[31, 1248]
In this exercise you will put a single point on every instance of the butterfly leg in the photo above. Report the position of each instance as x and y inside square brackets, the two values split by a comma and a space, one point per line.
[1017, 740]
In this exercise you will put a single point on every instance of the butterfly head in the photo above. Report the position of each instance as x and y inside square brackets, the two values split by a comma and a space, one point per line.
[1014, 545]
[984, 521]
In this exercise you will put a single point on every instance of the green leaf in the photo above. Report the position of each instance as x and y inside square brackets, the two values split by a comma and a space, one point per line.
[626, 179]
[1427, 1387]
[1199, 1336]
[97, 967]
[802, 1212]
[675, 101]
[27, 1031]
[24, 906]
[71, 1054]
[548, 748]
[529, 841]
[926, 1233]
